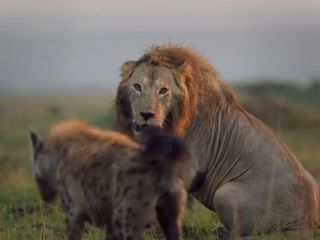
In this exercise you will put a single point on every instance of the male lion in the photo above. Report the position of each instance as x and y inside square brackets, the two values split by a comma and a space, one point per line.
[246, 173]
[106, 178]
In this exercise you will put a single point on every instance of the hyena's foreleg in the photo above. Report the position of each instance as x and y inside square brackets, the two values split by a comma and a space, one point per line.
[75, 225]
[170, 212]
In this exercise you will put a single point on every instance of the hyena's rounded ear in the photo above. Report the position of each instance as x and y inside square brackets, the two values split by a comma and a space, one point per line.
[36, 142]
[127, 69]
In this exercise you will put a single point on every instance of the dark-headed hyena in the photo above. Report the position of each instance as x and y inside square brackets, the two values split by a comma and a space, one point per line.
[106, 178]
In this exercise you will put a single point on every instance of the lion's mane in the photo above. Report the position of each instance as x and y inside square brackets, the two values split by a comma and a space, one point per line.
[195, 77]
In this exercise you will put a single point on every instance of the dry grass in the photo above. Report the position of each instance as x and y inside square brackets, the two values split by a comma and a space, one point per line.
[24, 216]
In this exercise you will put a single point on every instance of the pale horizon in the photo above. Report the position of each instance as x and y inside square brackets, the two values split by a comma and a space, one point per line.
[82, 44]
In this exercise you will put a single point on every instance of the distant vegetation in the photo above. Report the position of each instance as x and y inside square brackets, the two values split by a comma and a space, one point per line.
[283, 105]
[292, 111]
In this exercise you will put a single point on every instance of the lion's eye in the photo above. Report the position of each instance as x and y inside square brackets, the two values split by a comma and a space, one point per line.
[137, 87]
[163, 90]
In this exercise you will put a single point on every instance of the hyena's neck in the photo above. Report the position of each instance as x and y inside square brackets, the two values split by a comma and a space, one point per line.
[60, 152]
[72, 147]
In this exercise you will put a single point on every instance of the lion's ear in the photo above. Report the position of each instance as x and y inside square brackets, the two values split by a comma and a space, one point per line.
[185, 70]
[127, 69]
[182, 65]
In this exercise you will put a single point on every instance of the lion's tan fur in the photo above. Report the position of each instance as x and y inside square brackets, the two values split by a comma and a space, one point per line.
[243, 165]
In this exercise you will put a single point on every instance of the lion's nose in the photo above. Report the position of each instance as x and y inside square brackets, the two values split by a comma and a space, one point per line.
[146, 115]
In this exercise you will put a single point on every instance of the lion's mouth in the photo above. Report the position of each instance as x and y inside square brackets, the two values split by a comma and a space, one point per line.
[137, 127]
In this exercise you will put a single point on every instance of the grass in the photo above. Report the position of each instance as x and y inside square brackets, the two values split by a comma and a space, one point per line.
[24, 216]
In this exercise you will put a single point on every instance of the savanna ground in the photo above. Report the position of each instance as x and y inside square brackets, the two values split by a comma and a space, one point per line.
[293, 112]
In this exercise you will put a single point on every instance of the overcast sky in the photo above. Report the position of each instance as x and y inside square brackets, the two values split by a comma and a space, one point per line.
[76, 44]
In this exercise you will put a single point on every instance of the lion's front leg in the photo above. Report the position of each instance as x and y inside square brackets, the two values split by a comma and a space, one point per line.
[237, 211]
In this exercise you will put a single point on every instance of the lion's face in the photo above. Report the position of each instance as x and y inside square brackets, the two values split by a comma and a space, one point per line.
[152, 92]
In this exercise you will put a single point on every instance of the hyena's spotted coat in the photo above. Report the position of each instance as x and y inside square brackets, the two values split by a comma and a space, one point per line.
[106, 178]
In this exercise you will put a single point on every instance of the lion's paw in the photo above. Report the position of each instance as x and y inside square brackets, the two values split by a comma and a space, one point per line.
[222, 233]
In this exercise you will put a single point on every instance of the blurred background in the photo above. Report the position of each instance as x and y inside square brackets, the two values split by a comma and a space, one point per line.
[60, 59]
[81, 43]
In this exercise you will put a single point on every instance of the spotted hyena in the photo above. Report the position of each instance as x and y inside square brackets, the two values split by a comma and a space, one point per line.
[108, 179]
